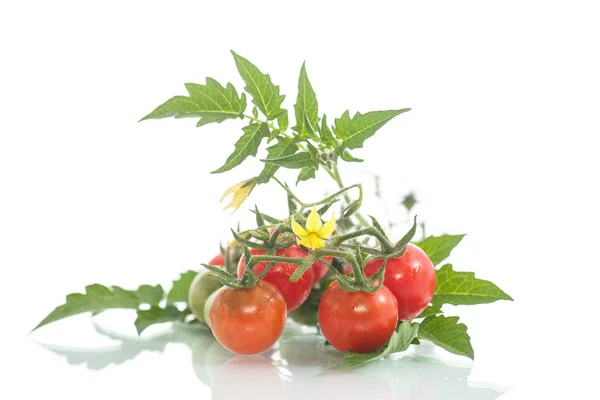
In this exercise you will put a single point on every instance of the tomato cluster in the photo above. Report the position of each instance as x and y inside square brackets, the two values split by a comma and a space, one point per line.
[250, 320]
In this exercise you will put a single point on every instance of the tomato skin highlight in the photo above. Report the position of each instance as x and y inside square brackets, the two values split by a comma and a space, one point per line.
[294, 293]
[411, 278]
[248, 321]
[357, 321]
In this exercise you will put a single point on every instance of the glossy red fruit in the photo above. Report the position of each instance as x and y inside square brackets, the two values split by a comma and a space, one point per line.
[294, 293]
[218, 261]
[357, 321]
[411, 278]
[248, 321]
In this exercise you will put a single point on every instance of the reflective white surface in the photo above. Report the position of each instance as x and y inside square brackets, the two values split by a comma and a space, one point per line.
[298, 367]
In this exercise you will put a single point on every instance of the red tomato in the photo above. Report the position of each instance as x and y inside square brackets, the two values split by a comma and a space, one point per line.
[294, 293]
[411, 278]
[357, 321]
[320, 269]
[248, 321]
[218, 261]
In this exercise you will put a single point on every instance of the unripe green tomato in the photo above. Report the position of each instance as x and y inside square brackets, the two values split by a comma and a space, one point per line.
[203, 285]
[207, 306]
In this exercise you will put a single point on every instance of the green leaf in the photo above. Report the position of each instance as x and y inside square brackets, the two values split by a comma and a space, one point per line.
[211, 102]
[265, 95]
[294, 161]
[292, 206]
[283, 122]
[346, 156]
[306, 108]
[448, 334]
[462, 288]
[98, 298]
[247, 145]
[326, 134]
[400, 341]
[283, 147]
[306, 174]
[402, 338]
[354, 131]
[430, 310]
[158, 315]
[255, 112]
[181, 287]
[438, 248]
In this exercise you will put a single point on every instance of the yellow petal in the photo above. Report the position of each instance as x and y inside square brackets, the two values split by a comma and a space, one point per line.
[313, 222]
[298, 230]
[315, 241]
[231, 190]
[327, 229]
[305, 241]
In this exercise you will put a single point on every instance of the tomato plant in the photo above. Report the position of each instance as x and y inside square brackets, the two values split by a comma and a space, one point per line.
[320, 269]
[248, 321]
[294, 293]
[411, 278]
[357, 321]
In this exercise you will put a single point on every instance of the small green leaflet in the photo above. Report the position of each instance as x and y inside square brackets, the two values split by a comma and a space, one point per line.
[462, 288]
[305, 174]
[448, 334]
[400, 341]
[98, 298]
[265, 95]
[306, 108]
[283, 121]
[247, 145]
[326, 134]
[354, 131]
[157, 315]
[283, 147]
[181, 287]
[438, 248]
[430, 310]
[211, 102]
[346, 156]
[294, 161]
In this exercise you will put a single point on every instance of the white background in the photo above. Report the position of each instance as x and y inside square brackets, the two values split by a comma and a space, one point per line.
[501, 143]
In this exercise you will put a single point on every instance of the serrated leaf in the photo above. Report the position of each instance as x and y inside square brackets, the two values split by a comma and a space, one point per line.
[306, 174]
[306, 108]
[98, 298]
[181, 287]
[211, 102]
[400, 341]
[158, 315]
[265, 95]
[438, 248]
[294, 161]
[430, 310]
[283, 147]
[326, 134]
[346, 156]
[247, 145]
[448, 334]
[283, 122]
[354, 131]
[462, 288]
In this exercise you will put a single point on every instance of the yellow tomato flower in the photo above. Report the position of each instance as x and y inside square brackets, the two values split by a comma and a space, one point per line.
[240, 193]
[312, 236]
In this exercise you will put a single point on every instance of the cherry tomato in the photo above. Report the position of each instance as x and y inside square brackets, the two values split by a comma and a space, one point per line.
[218, 261]
[248, 321]
[203, 285]
[411, 278]
[357, 321]
[294, 293]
